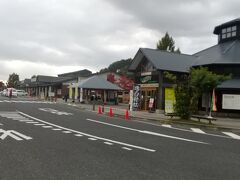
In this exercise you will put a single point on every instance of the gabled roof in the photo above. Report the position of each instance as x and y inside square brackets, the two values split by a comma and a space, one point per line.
[97, 82]
[217, 29]
[163, 60]
[223, 53]
[230, 84]
[81, 73]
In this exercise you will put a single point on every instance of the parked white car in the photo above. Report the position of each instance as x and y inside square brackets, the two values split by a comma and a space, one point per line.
[21, 93]
[14, 92]
[4, 92]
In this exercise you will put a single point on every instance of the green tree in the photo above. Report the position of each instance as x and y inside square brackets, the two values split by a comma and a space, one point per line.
[167, 43]
[203, 81]
[190, 88]
[13, 80]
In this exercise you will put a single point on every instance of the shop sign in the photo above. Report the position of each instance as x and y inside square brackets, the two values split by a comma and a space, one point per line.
[169, 100]
[146, 73]
[146, 79]
[149, 85]
[151, 101]
[136, 97]
[231, 101]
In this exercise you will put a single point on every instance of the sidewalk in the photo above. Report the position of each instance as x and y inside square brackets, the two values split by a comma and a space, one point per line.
[230, 123]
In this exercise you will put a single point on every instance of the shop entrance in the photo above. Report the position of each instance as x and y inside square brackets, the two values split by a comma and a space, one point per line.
[146, 95]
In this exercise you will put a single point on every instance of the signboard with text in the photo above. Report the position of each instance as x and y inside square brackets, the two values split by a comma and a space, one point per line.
[169, 100]
[136, 97]
[231, 101]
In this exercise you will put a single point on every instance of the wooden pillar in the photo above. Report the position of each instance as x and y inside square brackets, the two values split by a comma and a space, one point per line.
[160, 91]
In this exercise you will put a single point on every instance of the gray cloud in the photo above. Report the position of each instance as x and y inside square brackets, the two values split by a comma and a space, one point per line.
[64, 34]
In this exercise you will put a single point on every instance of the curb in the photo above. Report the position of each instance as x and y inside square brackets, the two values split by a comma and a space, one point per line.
[162, 120]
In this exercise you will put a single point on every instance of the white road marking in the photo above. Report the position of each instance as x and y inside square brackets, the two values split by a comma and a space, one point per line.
[27, 120]
[166, 125]
[129, 149]
[47, 126]
[179, 129]
[92, 139]
[78, 135]
[13, 134]
[67, 132]
[31, 122]
[108, 143]
[173, 137]
[234, 136]
[89, 135]
[148, 132]
[39, 124]
[1, 124]
[197, 130]
[56, 129]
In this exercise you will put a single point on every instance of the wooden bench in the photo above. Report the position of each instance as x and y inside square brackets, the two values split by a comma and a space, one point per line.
[171, 115]
[209, 118]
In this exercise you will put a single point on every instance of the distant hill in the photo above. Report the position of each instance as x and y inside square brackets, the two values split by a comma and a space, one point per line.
[119, 67]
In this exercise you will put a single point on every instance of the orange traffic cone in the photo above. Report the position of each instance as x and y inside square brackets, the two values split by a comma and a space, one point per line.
[99, 110]
[126, 115]
[110, 112]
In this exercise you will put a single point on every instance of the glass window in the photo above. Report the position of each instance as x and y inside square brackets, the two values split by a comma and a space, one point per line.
[224, 30]
[234, 33]
[229, 29]
[234, 28]
[228, 35]
[223, 36]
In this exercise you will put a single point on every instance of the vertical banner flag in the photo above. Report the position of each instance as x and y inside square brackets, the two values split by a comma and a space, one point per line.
[136, 97]
[214, 101]
[169, 100]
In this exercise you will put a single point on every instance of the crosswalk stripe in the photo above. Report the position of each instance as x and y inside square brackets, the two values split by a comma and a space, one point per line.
[67, 132]
[197, 130]
[47, 126]
[166, 125]
[79, 135]
[234, 136]
[129, 149]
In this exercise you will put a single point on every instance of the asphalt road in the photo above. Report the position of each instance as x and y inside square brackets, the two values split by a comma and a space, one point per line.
[55, 141]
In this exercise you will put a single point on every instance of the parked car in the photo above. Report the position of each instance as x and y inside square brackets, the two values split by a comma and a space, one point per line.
[14, 92]
[4, 92]
[21, 93]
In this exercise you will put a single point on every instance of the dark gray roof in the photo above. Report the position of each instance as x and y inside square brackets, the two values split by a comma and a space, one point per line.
[163, 60]
[97, 82]
[217, 29]
[223, 53]
[230, 84]
[81, 73]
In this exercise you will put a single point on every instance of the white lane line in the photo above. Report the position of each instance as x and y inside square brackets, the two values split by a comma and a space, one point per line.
[31, 122]
[113, 125]
[78, 135]
[129, 149]
[1, 124]
[166, 125]
[92, 139]
[234, 136]
[197, 130]
[39, 124]
[27, 120]
[148, 132]
[47, 126]
[108, 143]
[57, 129]
[67, 132]
[89, 135]
[173, 137]
[179, 129]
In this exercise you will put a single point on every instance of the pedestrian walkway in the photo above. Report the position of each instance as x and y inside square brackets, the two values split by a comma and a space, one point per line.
[121, 109]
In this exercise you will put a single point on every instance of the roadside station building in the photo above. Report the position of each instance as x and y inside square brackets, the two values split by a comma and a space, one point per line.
[150, 65]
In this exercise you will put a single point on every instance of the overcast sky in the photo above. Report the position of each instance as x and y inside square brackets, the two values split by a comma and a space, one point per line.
[49, 37]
